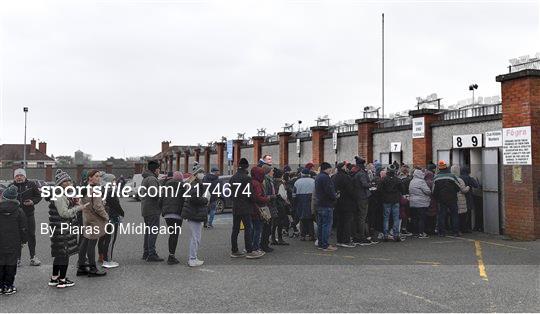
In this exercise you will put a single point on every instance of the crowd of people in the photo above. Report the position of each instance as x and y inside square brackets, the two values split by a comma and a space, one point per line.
[366, 204]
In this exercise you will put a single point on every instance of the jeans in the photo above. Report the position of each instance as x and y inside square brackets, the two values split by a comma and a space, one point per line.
[394, 210]
[173, 237]
[150, 238]
[211, 212]
[248, 232]
[324, 225]
[441, 216]
[195, 240]
[257, 231]
[265, 235]
[419, 217]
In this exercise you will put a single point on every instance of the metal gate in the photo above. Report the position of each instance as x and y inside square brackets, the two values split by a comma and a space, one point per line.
[490, 185]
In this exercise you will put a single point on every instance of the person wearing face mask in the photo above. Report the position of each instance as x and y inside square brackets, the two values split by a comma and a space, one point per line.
[195, 211]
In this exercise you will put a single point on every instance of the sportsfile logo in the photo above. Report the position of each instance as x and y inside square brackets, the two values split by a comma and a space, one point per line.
[185, 190]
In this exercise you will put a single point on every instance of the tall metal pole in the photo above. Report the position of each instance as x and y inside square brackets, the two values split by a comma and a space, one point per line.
[25, 109]
[383, 65]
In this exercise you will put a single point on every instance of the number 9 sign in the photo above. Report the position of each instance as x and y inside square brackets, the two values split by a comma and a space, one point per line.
[467, 141]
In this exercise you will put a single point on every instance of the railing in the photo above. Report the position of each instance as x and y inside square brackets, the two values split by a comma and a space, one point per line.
[524, 63]
[344, 128]
[399, 121]
[478, 111]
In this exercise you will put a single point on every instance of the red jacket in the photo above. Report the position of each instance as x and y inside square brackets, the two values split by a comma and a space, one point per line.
[258, 195]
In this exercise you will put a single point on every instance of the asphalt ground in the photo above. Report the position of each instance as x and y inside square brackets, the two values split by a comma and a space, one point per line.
[476, 273]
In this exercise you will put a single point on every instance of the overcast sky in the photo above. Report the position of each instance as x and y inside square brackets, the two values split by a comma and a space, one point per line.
[115, 78]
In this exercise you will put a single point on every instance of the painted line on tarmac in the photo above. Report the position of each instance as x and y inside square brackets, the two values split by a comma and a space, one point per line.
[428, 263]
[492, 243]
[425, 300]
[206, 270]
[481, 266]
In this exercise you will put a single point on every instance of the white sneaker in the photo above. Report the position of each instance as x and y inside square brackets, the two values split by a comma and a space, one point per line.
[195, 263]
[110, 264]
[317, 242]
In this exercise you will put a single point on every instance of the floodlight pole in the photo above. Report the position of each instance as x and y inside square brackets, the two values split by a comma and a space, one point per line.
[382, 65]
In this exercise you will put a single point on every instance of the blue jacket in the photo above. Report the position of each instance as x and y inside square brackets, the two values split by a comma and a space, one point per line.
[324, 190]
[302, 193]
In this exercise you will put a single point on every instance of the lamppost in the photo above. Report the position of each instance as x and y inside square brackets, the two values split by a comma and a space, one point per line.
[25, 110]
[472, 87]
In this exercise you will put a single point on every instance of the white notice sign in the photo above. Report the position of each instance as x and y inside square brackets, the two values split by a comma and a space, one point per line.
[493, 139]
[334, 140]
[517, 146]
[418, 127]
[298, 146]
[395, 147]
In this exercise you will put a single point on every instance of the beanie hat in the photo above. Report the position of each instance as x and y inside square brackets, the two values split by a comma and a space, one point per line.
[442, 164]
[10, 193]
[305, 171]
[287, 168]
[18, 172]
[61, 176]
[153, 165]
[214, 169]
[309, 165]
[391, 168]
[243, 163]
[278, 173]
[359, 160]
[325, 166]
[107, 178]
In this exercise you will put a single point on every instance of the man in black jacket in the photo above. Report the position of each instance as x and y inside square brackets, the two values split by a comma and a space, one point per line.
[326, 198]
[242, 210]
[28, 196]
[345, 205]
[391, 190]
[445, 189]
[12, 236]
[361, 187]
[212, 178]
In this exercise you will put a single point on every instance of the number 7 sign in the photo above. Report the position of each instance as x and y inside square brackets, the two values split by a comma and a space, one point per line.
[395, 147]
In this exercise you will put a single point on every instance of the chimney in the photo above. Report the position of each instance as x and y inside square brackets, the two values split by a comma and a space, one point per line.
[43, 147]
[164, 146]
[33, 147]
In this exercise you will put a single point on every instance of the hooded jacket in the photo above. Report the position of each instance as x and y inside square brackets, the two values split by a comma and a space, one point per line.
[390, 188]
[361, 184]
[172, 201]
[149, 205]
[13, 229]
[259, 197]
[27, 190]
[419, 191]
[196, 205]
[344, 186]
[214, 181]
[241, 199]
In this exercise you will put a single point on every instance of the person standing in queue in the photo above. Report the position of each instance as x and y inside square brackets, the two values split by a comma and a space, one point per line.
[63, 210]
[212, 178]
[150, 210]
[345, 205]
[445, 189]
[171, 207]
[28, 196]
[326, 197]
[95, 218]
[195, 211]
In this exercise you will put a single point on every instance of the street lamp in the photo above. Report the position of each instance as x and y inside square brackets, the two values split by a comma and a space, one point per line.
[472, 87]
[25, 110]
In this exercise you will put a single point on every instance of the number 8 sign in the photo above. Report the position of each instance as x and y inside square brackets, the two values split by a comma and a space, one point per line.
[467, 141]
